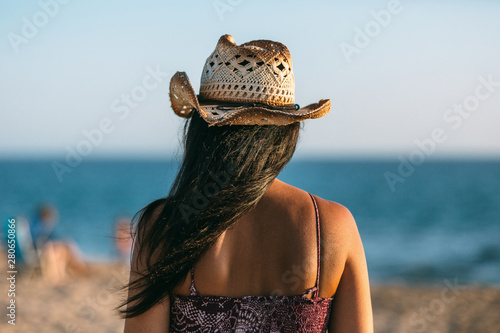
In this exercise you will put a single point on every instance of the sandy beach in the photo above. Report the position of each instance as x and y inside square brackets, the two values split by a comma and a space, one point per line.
[85, 304]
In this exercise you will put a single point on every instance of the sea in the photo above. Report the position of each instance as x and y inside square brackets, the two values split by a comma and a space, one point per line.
[421, 224]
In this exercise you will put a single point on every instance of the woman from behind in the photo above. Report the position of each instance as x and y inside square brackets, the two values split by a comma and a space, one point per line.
[232, 248]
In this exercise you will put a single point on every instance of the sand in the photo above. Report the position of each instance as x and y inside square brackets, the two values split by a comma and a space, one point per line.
[443, 309]
[85, 304]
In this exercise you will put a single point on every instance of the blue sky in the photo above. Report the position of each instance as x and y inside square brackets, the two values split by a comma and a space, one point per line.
[419, 71]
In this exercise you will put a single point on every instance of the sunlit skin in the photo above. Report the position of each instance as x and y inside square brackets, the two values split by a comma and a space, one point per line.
[272, 250]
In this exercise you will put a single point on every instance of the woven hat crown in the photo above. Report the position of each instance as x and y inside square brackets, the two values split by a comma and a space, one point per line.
[255, 72]
[247, 84]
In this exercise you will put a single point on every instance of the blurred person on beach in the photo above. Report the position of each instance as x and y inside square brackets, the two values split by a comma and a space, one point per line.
[231, 248]
[57, 256]
[43, 225]
[123, 238]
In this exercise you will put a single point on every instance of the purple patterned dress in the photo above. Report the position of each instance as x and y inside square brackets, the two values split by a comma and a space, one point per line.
[197, 313]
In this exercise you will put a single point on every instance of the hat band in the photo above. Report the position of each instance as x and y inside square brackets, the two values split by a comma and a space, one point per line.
[228, 106]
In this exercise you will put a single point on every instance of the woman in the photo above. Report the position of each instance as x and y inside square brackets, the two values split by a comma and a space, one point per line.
[232, 248]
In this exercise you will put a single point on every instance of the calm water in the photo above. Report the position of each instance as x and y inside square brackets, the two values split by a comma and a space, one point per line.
[442, 222]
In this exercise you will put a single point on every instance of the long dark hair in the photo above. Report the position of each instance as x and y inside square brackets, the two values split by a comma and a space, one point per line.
[224, 173]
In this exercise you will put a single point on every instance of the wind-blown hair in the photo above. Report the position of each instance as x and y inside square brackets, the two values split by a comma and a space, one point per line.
[224, 173]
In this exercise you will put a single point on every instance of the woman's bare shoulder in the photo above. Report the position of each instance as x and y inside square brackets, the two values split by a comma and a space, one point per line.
[333, 215]
[339, 240]
[335, 218]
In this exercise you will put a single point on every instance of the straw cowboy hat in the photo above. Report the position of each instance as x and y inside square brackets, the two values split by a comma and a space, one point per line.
[247, 84]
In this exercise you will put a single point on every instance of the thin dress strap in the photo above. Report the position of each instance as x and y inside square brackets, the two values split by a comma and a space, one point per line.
[192, 289]
[318, 237]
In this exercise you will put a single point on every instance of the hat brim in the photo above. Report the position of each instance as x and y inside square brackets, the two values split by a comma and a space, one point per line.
[183, 100]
